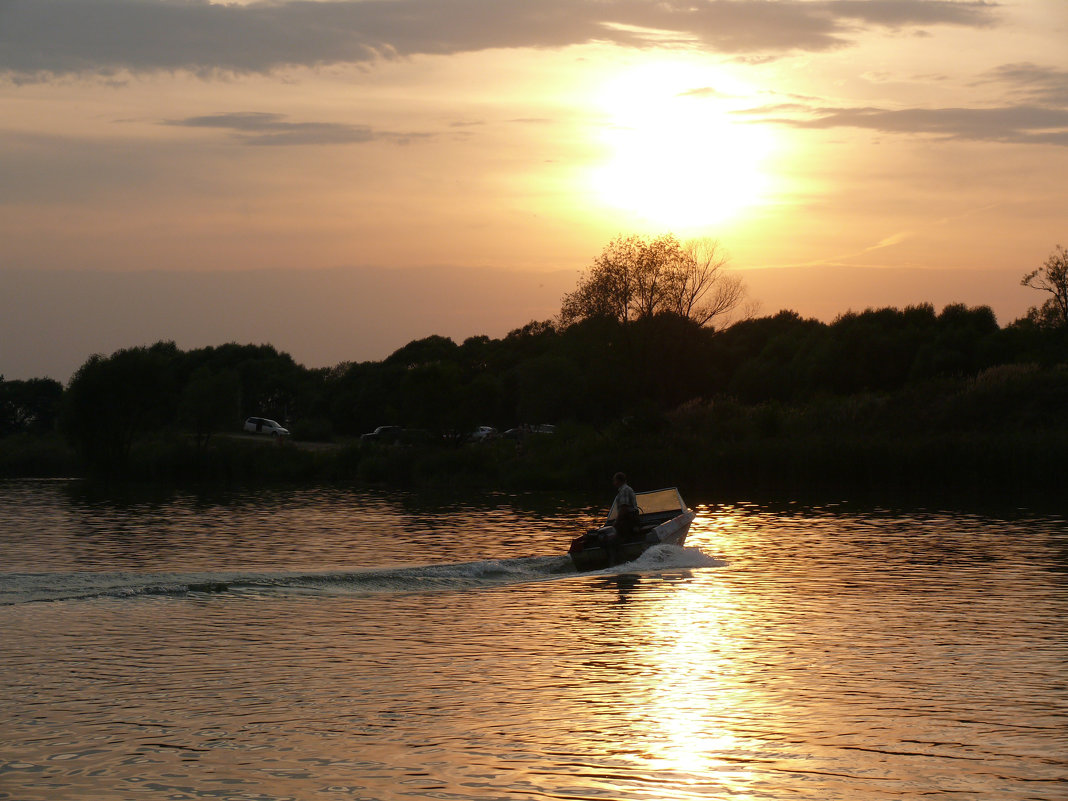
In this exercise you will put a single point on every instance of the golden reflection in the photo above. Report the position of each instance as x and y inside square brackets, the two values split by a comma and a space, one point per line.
[691, 641]
[677, 157]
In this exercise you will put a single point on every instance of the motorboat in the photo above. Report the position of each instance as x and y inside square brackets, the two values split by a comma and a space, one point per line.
[663, 519]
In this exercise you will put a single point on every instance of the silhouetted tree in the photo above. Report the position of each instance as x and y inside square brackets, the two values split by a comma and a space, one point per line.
[271, 383]
[424, 351]
[112, 399]
[636, 277]
[210, 402]
[606, 290]
[963, 344]
[30, 406]
[274, 386]
[699, 287]
[1051, 277]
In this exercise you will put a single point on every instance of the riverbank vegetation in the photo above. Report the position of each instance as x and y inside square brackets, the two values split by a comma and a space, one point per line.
[885, 398]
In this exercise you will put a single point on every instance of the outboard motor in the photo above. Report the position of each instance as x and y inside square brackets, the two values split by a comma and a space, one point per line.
[592, 539]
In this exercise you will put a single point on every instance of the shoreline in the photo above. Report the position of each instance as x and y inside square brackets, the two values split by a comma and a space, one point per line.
[969, 466]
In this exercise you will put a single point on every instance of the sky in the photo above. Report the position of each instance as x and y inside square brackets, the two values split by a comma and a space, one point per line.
[338, 177]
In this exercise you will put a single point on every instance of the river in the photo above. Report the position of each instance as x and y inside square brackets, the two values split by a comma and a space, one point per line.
[331, 643]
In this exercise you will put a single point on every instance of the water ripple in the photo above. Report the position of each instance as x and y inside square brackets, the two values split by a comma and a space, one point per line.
[335, 644]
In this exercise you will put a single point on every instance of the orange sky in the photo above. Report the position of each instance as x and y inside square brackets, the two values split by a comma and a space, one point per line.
[849, 145]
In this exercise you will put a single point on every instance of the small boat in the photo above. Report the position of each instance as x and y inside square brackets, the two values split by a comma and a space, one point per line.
[662, 519]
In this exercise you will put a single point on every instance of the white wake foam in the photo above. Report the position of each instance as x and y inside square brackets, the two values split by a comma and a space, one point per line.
[17, 588]
[669, 557]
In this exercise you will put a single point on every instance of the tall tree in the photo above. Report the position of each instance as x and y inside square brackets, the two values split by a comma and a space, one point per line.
[111, 400]
[607, 288]
[701, 289]
[1051, 277]
[637, 277]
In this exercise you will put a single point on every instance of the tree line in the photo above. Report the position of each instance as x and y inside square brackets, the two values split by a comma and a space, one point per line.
[641, 338]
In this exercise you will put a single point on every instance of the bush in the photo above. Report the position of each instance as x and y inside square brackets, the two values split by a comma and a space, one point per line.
[37, 456]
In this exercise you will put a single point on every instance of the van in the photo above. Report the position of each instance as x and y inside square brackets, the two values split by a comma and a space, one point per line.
[261, 425]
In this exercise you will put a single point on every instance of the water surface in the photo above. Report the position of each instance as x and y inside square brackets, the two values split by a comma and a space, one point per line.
[335, 644]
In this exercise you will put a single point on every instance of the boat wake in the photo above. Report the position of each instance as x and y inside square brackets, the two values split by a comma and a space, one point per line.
[19, 588]
[668, 557]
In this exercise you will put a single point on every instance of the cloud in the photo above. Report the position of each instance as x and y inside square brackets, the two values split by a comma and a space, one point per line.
[703, 91]
[1047, 85]
[1035, 111]
[1017, 124]
[902, 14]
[262, 128]
[890, 241]
[41, 39]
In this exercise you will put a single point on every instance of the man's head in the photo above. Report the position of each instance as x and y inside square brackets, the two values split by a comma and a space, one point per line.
[619, 479]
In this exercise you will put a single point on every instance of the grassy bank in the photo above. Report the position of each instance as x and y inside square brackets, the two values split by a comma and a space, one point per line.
[976, 463]
[38, 456]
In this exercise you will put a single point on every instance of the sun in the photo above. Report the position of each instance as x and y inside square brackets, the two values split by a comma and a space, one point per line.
[676, 157]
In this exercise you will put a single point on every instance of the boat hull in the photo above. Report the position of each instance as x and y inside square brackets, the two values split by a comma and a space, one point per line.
[670, 532]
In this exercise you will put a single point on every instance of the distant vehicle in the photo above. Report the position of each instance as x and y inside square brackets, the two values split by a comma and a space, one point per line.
[524, 430]
[261, 425]
[384, 434]
[483, 432]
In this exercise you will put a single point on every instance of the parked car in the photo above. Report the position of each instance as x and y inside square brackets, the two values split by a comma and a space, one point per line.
[384, 434]
[261, 425]
[483, 432]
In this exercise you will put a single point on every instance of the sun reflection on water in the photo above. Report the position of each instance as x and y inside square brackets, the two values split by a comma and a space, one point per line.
[690, 640]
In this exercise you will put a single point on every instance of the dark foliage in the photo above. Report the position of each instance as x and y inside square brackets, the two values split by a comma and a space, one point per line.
[884, 395]
[29, 407]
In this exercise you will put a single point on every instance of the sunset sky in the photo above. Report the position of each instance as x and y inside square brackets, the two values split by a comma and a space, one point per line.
[338, 177]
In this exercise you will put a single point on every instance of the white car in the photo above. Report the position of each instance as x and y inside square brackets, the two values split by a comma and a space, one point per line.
[483, 432]
[261, 425]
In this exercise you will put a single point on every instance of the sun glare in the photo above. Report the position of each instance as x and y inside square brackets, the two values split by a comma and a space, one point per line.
[675, 156]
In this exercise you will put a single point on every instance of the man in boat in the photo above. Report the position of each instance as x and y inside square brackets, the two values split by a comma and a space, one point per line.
[626, 503]
[619, 529]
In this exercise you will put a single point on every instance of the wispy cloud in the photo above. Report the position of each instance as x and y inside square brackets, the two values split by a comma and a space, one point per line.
[264, 128]
[1037, 83]
[890, 241]
[1034, 111]
[40, 39]
[703, 91]
[1022, 124]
